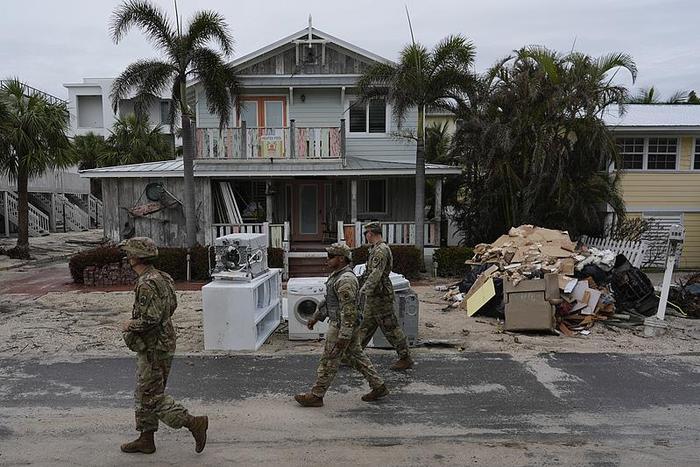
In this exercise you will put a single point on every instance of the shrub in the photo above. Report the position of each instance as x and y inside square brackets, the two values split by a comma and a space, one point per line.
[451, 260]
[407, 259]
[100, 256]
[275, 257]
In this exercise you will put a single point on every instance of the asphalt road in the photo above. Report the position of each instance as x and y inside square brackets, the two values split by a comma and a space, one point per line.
[465, 409]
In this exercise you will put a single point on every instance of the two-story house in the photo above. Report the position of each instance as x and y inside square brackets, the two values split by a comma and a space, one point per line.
[660, 149]
[302, 158]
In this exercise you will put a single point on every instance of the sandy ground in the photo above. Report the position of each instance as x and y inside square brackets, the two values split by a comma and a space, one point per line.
[67, 323]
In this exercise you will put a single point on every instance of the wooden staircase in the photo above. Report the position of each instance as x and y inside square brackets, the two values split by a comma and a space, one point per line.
[38, 221]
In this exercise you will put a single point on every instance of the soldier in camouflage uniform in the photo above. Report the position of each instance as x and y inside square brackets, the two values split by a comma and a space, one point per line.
[377, 293]
[150, 333]
[342, 338]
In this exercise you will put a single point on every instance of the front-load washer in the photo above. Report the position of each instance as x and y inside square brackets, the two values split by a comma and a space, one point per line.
[303, 295]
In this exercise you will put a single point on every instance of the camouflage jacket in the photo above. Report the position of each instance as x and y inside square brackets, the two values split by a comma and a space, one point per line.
[341, 302]
[375, 279]
[154, 305]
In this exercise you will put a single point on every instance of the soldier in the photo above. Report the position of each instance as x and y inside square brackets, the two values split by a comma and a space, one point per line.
[378, 295]
[150, 333]
[342, 338]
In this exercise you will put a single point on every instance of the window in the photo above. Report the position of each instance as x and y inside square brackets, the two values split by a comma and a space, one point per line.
[375, 195]
[369, 117]
[696, 161]
[662, 154]
[164, 112]
[631, 152]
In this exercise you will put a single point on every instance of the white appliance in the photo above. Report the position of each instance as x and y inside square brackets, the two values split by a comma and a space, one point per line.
[241, 315]
[240, 256]
[303, 294]
[405, 307]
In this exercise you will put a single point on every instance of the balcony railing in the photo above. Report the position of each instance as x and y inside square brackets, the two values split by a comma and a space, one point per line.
[292, 142]
[394, 233]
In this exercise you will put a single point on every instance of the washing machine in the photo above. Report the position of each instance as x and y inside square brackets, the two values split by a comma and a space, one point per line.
[303, 294]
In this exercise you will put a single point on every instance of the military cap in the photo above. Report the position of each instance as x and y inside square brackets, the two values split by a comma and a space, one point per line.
[375, 227]
[340, 249]
[141, 247]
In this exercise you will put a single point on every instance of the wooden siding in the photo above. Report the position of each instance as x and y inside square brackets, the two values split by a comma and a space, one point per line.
[283, 62]
[166, 227]
[690, 259]
[673, 191]
[321, 108]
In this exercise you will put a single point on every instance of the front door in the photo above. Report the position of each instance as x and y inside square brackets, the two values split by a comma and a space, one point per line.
[307, 211]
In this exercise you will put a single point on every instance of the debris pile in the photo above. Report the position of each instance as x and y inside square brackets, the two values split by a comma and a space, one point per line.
[537, 279]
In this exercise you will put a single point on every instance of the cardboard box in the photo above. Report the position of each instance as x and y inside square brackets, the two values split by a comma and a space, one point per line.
[527, 306]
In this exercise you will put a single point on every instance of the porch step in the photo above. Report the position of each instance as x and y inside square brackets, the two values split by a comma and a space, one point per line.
[307, 267]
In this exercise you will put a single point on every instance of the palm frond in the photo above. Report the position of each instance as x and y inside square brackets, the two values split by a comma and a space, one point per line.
[151, 19]
[219, 81]
[206, 26]
[144, 78]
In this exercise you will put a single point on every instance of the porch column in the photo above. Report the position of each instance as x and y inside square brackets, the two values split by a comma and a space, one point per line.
[353, 200]
[438, 209]
[268, 201]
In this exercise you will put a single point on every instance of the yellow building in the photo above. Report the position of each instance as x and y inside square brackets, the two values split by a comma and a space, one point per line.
[660, 149]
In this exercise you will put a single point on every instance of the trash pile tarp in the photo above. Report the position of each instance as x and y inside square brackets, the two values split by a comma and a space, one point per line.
[588, 280]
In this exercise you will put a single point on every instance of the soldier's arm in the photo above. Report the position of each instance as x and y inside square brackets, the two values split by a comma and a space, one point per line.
[378, 263]
[321, 312]
[149, 310]
[346, 289]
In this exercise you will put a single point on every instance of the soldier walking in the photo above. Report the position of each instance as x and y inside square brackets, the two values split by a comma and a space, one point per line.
[378, 295]
[343, 337]
[150, 333]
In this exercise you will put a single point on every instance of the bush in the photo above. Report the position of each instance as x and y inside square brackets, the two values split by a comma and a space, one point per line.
[275, 257]
[451, 260]
[170, 260]
[100, 256]
[407, 259]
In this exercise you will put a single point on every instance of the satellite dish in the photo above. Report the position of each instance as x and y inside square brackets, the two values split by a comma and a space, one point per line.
[154, 191]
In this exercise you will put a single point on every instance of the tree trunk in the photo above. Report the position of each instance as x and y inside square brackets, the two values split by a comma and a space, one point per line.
[22, 248]
[420, 180]
[188, 169]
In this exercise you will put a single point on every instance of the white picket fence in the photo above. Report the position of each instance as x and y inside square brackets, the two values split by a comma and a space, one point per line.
[394, 233]
[635, 252]
[38, 221]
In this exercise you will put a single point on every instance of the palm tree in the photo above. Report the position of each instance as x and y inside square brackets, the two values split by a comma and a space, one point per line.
[186, 56]
[133, 141]
[650, 96]
[89, 150]
[420, 79]
[32, 140]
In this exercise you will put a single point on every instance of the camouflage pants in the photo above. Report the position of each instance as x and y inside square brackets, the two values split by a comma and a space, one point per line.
[380, 314]
[152, 404]
[328, 366]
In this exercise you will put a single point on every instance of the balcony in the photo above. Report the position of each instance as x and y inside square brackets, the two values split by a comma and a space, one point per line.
[292, 142]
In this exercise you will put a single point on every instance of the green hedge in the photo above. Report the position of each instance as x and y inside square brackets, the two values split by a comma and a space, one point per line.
[170, 260]
[407, 259]
[451, 260]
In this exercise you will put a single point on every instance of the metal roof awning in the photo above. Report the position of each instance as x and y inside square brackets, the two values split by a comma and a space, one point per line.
[219, 168]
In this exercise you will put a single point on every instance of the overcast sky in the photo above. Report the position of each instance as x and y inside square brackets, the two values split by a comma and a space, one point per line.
[46, 43]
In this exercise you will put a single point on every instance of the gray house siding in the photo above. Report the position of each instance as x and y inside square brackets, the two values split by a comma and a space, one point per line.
[320, 108]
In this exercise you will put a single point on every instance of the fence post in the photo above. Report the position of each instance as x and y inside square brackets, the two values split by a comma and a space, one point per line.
[266, 230]
[358, 234]
[6, 214]
[285, 247]
[341, 232]
[244, 140]
[292, 139]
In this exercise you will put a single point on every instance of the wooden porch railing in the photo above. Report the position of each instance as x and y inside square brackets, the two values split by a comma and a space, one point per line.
[243, 143]
[394, 232]
[38, 221]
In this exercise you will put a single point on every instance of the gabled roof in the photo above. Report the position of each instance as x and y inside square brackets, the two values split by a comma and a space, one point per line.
[654, 116]
[302, 34]
[215, 168]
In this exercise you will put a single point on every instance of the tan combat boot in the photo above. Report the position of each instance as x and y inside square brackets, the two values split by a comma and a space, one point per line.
[198, 427]
[309, 400]
[143, 444]
[402, 364]
[377, 393]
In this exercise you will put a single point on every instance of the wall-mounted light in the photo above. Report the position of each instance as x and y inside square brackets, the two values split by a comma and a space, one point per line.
[303, 97]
